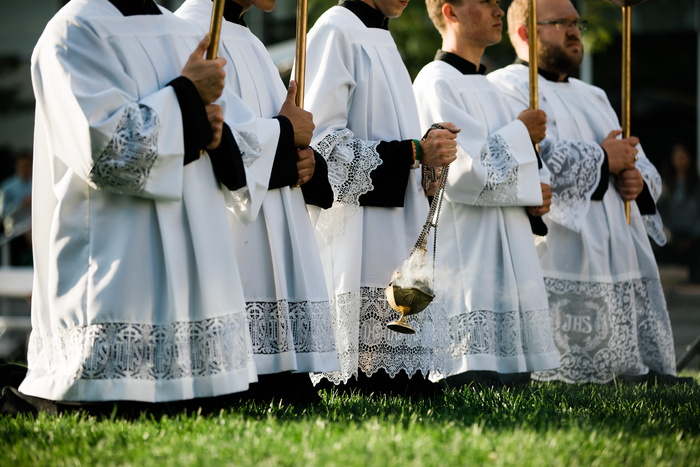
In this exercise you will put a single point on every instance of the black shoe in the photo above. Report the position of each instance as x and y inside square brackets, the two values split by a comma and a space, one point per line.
[12, 404]
[11, 374]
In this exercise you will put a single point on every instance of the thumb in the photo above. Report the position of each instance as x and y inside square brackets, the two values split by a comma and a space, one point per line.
[292, 91]
[202, 46]
[451, 127]
[614, 134]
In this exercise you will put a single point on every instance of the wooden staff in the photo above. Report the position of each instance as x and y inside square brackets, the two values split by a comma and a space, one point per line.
[532, 41]
[626, 110]
[300, 57]
[217, 14]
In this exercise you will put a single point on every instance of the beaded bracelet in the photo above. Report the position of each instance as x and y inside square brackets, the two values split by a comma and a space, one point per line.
[416, 153]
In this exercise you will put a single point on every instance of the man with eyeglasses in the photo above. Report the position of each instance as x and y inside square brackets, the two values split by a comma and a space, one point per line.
[608, 311]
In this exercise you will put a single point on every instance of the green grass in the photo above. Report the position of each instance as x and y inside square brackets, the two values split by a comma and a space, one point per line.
[542, 424]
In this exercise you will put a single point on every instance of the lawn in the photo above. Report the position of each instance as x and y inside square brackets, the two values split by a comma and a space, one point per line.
[540, 424]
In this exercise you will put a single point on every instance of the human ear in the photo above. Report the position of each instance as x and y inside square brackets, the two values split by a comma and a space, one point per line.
[522, 32]
[449, 14]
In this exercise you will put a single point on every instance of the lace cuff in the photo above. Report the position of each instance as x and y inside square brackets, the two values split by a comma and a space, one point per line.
[652, 222]
[125, 164]
[350, 163]
[501, 174]
[575, 168]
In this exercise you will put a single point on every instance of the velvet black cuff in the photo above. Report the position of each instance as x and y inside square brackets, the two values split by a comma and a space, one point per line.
[537, 225]
[390, 179]
[284, 168]
[318, 190]
[645, 202]
[604, 180]
[195, 123]
[227, 161]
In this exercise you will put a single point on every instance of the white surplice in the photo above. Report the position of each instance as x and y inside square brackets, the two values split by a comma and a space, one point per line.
[486, 257]
[137, 294]
[608, 310]
[359, 92]
[283, 279]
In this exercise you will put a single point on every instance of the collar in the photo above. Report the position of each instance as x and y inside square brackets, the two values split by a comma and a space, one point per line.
[371, 17]
[548, 75]
[232, 13]
[464, 66]
[136, 7]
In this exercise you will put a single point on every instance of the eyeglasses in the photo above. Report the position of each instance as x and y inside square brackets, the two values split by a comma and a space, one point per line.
[580, 24]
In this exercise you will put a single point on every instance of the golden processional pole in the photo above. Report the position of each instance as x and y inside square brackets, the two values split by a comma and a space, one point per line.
[532, 41]
[217, 14]
[626, 72]
[300, 57]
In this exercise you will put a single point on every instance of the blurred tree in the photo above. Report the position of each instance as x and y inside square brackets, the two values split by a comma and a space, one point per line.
[418, 40]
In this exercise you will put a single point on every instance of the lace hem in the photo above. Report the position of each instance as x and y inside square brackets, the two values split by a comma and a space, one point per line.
[501, 334]
[369, 346]
[350, 163]
[575, 168]
[301, 327]
[501, 174]
[123, 167]
[143, 351]
[602, 330]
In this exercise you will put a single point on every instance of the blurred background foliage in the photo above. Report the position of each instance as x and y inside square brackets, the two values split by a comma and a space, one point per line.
[418, 40]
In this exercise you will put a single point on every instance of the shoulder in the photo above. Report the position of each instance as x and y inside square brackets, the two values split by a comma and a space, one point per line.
[513, 74]
[435, 73]
[338, 22]
[590, 88]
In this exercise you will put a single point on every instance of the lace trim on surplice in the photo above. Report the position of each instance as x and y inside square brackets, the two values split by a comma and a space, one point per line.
[143, 351]
[301, 327]
[251, 150]
[602, 330]
[501, 334]
[364, 342]
[501, 174]
[125, 164]
[350, 163]
[652, 223]
[575, 168]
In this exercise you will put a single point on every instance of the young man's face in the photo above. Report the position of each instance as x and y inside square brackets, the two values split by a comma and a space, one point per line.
[481, 21]
[560, 48]
[389, 8]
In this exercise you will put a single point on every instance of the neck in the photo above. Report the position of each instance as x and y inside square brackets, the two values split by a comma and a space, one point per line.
[370, 3]
[244, 7]
[468, 52]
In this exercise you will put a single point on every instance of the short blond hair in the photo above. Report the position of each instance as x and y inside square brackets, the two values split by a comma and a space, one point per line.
[434, 8]
[517, 15]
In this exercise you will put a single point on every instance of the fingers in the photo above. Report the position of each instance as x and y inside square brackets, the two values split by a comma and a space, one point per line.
[450, 126]
[439, 148]
[629, 184]
[202, 46]
[306, 165]
[537, 211]
[215, 115]
[614, 134]
[292, 92]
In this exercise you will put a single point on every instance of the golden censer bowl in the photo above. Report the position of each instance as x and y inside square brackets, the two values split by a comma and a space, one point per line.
[408, 301]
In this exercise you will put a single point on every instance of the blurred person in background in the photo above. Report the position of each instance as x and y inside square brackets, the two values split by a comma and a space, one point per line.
[679, 206]
[16, 209]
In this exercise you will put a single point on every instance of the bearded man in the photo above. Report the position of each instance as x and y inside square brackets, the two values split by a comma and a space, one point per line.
[608, 311]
